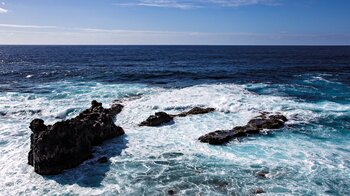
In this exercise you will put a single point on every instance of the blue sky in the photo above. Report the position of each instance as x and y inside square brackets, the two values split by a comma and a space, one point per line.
[212, 22]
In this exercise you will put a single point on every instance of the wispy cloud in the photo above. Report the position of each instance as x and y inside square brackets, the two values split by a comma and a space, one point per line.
[186, 4]
[123, 31]
[160, 3]
[2, 10]
[27, 26]
[237, 3]
[16, 28]
[35, 34]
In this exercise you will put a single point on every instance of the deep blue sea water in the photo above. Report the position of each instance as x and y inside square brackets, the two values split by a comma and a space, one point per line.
[309, 85]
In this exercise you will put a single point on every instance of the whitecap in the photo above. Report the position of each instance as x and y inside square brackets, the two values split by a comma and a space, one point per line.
[171, 156]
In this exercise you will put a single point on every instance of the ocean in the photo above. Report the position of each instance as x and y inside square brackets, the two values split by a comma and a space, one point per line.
[309, 85]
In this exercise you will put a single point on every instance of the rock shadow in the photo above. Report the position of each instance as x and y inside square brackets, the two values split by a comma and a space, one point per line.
[92, 172]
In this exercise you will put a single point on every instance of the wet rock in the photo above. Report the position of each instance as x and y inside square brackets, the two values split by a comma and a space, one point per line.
[37, 126]
[95, 104]
[68, 143]
[254, 126]
[259, 191]
[157, 119]
[102, 160]
[218, 137]
[196, 110]
[161, 117]
[262, 174]
[115, 109]
[267, 122]
[171, 192]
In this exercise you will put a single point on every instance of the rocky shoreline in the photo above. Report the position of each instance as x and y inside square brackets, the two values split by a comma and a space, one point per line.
[66, 144]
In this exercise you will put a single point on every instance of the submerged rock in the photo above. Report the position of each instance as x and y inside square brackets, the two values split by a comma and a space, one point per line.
[157, 119]
[66, 144]
[254, 126]
[258, 191]
[196, 110]
[102, 160]
[262, 174]
[171, 192]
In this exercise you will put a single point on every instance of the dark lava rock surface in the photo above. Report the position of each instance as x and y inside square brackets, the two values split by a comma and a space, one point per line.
[196, 110]
[68, 143]
[258, 191]
[102, 160]
[254, 126]
[160, 118]
[157, 119]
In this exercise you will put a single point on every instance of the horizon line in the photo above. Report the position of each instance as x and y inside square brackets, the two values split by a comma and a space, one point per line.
[347, 45]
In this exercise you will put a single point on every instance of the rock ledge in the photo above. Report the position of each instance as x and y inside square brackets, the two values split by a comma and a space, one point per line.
[254, 126]
[160, 118]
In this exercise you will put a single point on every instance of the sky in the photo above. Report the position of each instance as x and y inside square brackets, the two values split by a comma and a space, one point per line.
[175, 22]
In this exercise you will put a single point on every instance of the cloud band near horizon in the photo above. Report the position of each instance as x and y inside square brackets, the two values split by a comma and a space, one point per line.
[185, 4]
[29, 34]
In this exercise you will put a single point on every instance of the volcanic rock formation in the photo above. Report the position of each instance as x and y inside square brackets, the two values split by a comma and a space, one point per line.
[160, 118]
[254, 126]
[68, 143]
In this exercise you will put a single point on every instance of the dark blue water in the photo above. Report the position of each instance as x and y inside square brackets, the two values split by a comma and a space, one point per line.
[310, 85]
[169, 66]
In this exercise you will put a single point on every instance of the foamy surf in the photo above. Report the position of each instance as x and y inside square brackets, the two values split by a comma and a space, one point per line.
[154, 160]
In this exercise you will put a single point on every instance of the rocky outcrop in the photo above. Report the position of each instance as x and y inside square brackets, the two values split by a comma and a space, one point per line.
[254, 126]
[160, 118]
[196, 110]
[258, 191]
[262, 174]
[66, 144]
[157, 119]
[103, 160]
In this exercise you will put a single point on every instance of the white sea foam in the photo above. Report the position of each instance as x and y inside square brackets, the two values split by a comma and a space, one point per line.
[156, 159]
[319, 78]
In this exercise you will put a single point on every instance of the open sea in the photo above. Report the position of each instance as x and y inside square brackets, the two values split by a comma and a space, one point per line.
[309, 85]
